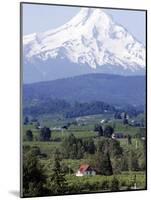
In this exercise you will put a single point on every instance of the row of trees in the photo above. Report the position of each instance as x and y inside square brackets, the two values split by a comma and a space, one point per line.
[44, 135]
[75, 148]
[50, 179]
[103, 152]
[69, 110]
[106, 152]
[83, 109]
[39, 180]
[106, 132]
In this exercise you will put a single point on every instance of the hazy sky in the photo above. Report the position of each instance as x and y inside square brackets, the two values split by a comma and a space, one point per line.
[39, 18]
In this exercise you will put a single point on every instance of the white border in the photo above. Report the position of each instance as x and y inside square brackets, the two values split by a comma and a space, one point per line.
[9, 91]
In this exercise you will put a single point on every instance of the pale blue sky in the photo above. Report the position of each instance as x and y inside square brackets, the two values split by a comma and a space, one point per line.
[39, 18]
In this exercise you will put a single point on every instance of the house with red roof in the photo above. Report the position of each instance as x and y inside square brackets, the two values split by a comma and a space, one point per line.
[86, 170]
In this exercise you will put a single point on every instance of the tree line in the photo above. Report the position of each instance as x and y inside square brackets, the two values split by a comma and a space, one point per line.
[69, 110]
[40, 180]
[76, 109]
[51, 178]
[43, 135]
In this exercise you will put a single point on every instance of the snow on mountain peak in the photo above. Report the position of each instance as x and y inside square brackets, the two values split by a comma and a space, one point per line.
[91, 38]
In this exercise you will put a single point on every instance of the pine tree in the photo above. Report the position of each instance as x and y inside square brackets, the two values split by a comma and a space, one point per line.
[129, 139]
[89, 146]
[29, 135]
[57, 182]
[108, 131]
[98, 128]
[45, 134]
[33, 176]
[26, 120]
[125, 119]
[103, 164]
[106, 167]
[80, 150]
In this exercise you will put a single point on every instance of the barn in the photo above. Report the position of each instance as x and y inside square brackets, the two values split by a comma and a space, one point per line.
[86, 170]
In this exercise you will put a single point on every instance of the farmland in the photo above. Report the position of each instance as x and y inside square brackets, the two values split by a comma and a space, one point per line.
[128, 168]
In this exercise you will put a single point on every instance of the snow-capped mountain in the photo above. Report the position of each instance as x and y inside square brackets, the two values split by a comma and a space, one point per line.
[90, 42]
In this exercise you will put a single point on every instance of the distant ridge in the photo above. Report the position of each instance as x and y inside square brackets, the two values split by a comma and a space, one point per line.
[113, 89]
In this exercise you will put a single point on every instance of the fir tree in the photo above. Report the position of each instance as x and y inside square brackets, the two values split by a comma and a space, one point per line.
[98, 128]
[129, 139]
[106, 166]
[33, 176]
[57, 182]
[103, 164]
[29, 135]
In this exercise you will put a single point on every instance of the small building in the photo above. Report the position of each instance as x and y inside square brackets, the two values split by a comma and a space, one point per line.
[86, 170]
[39, 127]
[118, 136]
[104, 121]
[113, 136]
[56, 129]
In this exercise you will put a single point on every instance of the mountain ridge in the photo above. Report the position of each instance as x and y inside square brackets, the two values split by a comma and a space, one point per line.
[91, 41]
[112, 89]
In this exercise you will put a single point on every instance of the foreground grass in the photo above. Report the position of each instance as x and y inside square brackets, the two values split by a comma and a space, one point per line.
[101, 183]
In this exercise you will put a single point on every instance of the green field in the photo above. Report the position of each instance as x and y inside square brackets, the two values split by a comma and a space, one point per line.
[82, 128]
[126, 180]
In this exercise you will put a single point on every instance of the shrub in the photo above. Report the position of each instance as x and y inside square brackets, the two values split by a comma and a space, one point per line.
[114, 186]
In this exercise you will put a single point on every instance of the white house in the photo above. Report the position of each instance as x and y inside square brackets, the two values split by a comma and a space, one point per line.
[86, 170]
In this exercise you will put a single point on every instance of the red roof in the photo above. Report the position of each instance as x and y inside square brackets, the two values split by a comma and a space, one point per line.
[84, 168]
